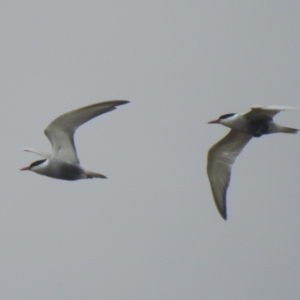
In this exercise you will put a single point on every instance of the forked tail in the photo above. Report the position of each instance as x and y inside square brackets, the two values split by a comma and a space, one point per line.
[90, 175]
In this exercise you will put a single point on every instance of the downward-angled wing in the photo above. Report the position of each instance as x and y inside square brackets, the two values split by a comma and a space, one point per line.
[220, 158]
[266, 112]
[60, 131]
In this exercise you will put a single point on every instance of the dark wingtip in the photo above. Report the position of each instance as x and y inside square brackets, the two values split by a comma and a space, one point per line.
[122, 102]
[223, 212]
[100, 176]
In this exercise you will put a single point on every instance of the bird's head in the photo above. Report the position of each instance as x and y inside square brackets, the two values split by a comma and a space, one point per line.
[35, 166]
[226, 120]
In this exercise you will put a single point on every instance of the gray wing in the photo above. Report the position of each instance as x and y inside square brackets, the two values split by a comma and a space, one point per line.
[220, 158]
[60, 131]
[266, 112]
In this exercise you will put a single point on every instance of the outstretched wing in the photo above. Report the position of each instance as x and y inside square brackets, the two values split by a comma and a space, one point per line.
[38, 152]
[266, 112]
[60, 131]
[220, 159]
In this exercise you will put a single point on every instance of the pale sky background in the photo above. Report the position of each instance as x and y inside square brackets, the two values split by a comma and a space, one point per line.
[151, 230]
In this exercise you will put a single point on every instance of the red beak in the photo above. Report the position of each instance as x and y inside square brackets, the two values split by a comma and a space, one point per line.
[25, 169]
[214, 122]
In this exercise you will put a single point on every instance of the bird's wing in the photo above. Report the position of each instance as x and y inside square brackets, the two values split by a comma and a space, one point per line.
[60, 131]
[38, 152]
[266, 112]
[220, 158]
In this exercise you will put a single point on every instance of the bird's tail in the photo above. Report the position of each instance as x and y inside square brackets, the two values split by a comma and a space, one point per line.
[90, 175]
[287, 129]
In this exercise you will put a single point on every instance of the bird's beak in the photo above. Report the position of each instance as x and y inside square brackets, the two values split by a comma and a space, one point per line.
[25, 169]
[214, 122]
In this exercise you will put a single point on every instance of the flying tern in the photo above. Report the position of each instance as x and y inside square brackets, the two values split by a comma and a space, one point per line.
[63, 163]
[221, 156]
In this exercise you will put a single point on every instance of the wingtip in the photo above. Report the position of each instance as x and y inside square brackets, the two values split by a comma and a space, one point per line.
[113, 103]
[122, 102]
[257, 106]
[223, 214]
[222, 211]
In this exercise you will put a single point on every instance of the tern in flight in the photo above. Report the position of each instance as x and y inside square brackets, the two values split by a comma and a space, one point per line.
[63, 162]
[221, 156]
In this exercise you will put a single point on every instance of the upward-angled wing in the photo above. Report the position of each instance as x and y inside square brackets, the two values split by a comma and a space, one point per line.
[220, 158]
[38, 152]
[266, 112]
[60, 131]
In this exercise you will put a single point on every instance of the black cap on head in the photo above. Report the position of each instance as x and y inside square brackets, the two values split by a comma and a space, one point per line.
[36, 163]
[227, 116]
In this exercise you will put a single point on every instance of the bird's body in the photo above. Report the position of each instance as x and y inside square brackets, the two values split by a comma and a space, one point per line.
[221, 156]
[60, 169]
[63, 163]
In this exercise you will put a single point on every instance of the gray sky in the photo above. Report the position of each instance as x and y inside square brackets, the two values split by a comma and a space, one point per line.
[151, 231]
